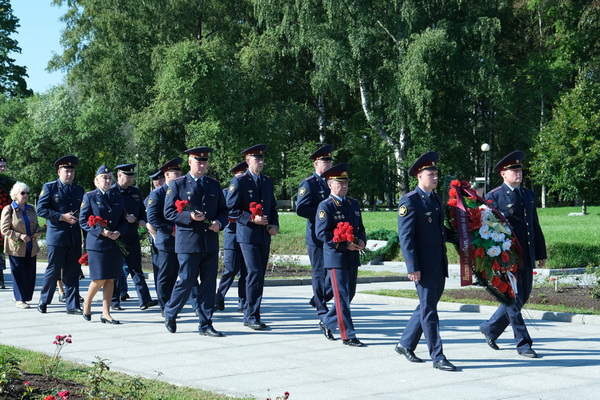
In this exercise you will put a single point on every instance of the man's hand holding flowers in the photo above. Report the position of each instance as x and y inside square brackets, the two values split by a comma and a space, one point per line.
[257, 217]
[195, 215]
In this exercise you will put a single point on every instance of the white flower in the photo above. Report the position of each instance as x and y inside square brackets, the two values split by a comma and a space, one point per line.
[494, 251]
[485, 232]
[498, 237]
[506, 245]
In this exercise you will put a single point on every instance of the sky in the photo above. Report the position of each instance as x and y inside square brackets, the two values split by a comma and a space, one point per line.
[39, 38]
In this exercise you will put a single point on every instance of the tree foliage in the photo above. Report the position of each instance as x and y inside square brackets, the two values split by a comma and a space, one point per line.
[12, 76]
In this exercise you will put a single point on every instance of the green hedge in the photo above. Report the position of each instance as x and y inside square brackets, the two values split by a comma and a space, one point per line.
[572, 255]
[387, 252]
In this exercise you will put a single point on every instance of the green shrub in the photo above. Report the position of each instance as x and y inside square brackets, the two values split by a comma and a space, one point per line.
[387, 252]
[572, 255]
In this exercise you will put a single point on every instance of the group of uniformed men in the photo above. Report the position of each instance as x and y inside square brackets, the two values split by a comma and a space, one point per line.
[184, 214]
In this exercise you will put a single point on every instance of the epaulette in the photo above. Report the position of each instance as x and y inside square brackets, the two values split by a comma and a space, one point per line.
[309, 178]
[177, 179]
[411, 193]
[494, 190]
[91, 191]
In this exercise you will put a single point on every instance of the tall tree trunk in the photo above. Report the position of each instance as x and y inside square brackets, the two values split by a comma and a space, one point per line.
[322, 118]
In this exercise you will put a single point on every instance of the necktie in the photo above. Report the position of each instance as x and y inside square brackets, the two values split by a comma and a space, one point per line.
[258, 184]
[518, 197]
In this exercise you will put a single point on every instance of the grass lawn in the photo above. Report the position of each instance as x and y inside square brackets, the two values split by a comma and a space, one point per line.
[559, 230]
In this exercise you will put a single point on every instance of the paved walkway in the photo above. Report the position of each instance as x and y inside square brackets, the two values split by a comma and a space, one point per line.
[294, 356]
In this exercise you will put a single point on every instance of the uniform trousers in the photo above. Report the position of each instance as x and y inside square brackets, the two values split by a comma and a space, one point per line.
[134, 268]
[234, 264]
[321, 283]
[23, 276]
[62, 258]
[504, 315]
[192, 266]
[343, 284]
[168, 267]
[425, 319]
[256, 258]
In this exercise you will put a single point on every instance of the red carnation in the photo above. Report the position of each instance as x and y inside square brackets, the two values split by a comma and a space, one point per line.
[505, 257]
[256, 209]
[182, 205]
[343, 233]
[480, 252]
[83, 260]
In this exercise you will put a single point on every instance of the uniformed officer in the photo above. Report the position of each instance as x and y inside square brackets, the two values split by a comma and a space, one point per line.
[59, 204]
[136, 216]
[105, 256]
[233, 258]
[197, 238]
[341, 258]
[167, 263]
[254, 231]
[158, 178]
[518, 206]
[312, 191]
[423, 241]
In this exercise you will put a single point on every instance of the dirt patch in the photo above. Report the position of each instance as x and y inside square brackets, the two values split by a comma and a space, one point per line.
[40, 386]
[571, 296]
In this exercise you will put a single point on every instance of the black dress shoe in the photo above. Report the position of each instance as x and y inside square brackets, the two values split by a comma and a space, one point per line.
[42, 308]
[75, 311]
[326, 331]
[353, 343]
[529, 353]
[219, 307]
[312, 302]
[171, 325]
[124, 297]
[87, 317]
[240, 310]
[444, 365]
[210, 331]
[109, 321]
[148, 304]
[409, 354]
[257, 326]
[490, 342]
[61, 297]
[116, 307]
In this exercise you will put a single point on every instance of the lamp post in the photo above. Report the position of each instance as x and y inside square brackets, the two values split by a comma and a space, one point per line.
[485, 148]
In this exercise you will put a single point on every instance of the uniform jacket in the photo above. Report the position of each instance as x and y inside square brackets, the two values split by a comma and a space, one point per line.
[134, 205]
[242, 192]
[112, 210]
[422, 235]
[229, 240]
[13, 225]
[313, 190]
[523, 219]
[330, 212]
[155, 210]
[56, 199]
[194, 236]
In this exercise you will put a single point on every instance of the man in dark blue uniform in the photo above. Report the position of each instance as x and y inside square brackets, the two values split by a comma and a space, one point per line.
[196, 238]
[59, 204]
[341, 258]
[254, 231]
[312, 191]
[158, 179]
[136, 216]
[233, 258]
[518, 206]
[423, 241]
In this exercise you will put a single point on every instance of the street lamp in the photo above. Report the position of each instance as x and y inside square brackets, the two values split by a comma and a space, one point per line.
[485, 148]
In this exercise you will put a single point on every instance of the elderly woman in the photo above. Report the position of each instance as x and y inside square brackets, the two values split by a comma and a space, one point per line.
[102, 216]
[20, 229]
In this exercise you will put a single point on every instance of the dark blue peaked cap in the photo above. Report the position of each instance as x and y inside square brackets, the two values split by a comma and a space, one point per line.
[428, 160]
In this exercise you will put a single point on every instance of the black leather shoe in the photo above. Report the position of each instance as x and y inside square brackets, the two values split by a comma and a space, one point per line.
[87, 317]
[75, 311]
[210, 331]
[353, 343]
[109, 321]
[409, 354]
[240, 310]
[124, 297]
[116, 307]
[312, 302]
[42, 308]
[171, 325]
[326, 331]
[490, 342]
[257, 326]
[61, 297]
[148, 304]
[530, 353]
[444, 365]
[219, 307]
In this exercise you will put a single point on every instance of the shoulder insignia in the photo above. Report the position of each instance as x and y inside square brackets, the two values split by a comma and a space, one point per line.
[150, 201]
[411, 193]
[168, 191]
[82, 204]
[231, 188]
[302, 191]
[402, 211]
[322, 215]
[41, 194]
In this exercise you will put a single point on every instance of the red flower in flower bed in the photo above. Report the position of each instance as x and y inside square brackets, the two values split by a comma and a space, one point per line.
[343, 233]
